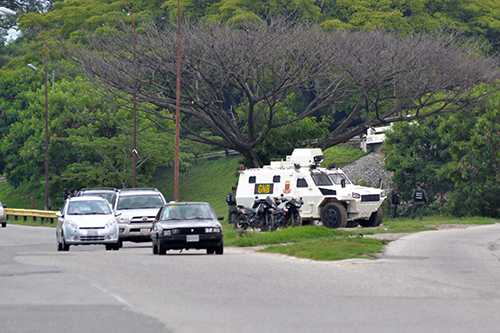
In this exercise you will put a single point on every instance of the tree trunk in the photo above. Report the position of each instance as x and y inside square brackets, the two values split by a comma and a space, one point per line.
[252, 158]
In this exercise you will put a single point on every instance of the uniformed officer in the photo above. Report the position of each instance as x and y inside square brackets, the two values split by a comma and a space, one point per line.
[419, 201]
[231, 203]
[394, 202]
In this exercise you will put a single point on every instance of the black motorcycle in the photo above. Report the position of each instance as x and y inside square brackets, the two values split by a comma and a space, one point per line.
[244, 216]
[291, 212]
[261, 215]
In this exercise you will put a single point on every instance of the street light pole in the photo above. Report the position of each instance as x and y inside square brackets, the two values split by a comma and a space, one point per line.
[5, 11]
[134, 112]
[178, 104]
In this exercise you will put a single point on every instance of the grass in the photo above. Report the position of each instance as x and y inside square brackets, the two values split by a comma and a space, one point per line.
[341, 156]
[331, 249]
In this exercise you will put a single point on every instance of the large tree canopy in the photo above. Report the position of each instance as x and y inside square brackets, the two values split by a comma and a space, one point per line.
[378, 75]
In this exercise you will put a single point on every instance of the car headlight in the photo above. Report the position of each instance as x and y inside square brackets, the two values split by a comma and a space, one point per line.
[215, 230]
[383, 194]
[110, 224]
[123, 219]
[169, 232]
[72, 225]
[355, 195]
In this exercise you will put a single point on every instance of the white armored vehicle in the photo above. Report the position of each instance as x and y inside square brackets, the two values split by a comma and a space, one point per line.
[329, 196]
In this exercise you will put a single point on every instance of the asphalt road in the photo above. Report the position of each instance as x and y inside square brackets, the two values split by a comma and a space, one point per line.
[441, 281]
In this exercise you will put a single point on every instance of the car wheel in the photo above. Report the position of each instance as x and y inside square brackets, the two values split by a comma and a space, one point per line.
[155, 249]
[210, 250]
[4, 224]
[109, 247]
[116, 246]
[120, 243]
[161, 250]
[219, 249]
[334, 215]
[64, 246]
[59, 246]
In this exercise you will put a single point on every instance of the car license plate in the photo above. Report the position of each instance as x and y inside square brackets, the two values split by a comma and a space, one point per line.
[192, 238]
[92, 233]
[145, 231]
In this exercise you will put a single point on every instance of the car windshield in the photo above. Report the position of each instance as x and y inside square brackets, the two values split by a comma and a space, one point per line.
[139, 201]
[187, 212]
[90, 207]
[321, 179]
[104, 195]
[337, 178]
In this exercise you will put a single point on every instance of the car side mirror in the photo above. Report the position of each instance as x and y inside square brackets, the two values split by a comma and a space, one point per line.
[220, 218]
[59, 214]
[342, 183]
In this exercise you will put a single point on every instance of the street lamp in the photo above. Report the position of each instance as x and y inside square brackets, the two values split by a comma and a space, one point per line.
[4, 11]
[30, 66]
[134, 112]
[178, 104]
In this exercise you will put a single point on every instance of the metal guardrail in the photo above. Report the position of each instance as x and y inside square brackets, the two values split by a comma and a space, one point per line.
[25, 213]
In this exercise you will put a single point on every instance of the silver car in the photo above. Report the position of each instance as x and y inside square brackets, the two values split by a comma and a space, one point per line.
[85, 221]
[138, 208]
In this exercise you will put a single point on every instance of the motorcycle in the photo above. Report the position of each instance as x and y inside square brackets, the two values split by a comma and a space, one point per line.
[243, 217]
[261, 215]
[291, 212]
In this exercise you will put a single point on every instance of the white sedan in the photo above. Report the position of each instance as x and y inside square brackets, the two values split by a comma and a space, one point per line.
[85, 221]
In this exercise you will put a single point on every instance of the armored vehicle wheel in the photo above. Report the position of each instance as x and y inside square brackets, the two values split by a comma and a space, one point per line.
[334, 215]
[375, 219]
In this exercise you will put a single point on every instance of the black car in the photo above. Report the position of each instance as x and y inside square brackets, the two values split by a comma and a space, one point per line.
[187, 225]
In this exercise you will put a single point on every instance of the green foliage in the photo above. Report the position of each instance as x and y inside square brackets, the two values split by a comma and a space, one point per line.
[90, 144]
[415, 152]
[456, 157]
[475, 165]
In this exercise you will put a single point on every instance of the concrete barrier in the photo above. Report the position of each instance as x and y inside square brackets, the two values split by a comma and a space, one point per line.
[25, 213]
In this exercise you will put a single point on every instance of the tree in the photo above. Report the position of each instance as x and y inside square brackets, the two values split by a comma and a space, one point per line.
[261, 64]
[455, 156]
[90, 142]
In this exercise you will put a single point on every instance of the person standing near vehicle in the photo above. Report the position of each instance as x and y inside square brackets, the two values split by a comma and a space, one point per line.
[394, 202]
[419, 201]
[231, 202]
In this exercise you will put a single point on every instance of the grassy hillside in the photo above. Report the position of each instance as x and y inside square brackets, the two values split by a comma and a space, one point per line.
[206, 180]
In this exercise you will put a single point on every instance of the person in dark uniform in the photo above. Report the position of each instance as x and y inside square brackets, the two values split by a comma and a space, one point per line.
[419, 201]
[231, 203]
[394, 202]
